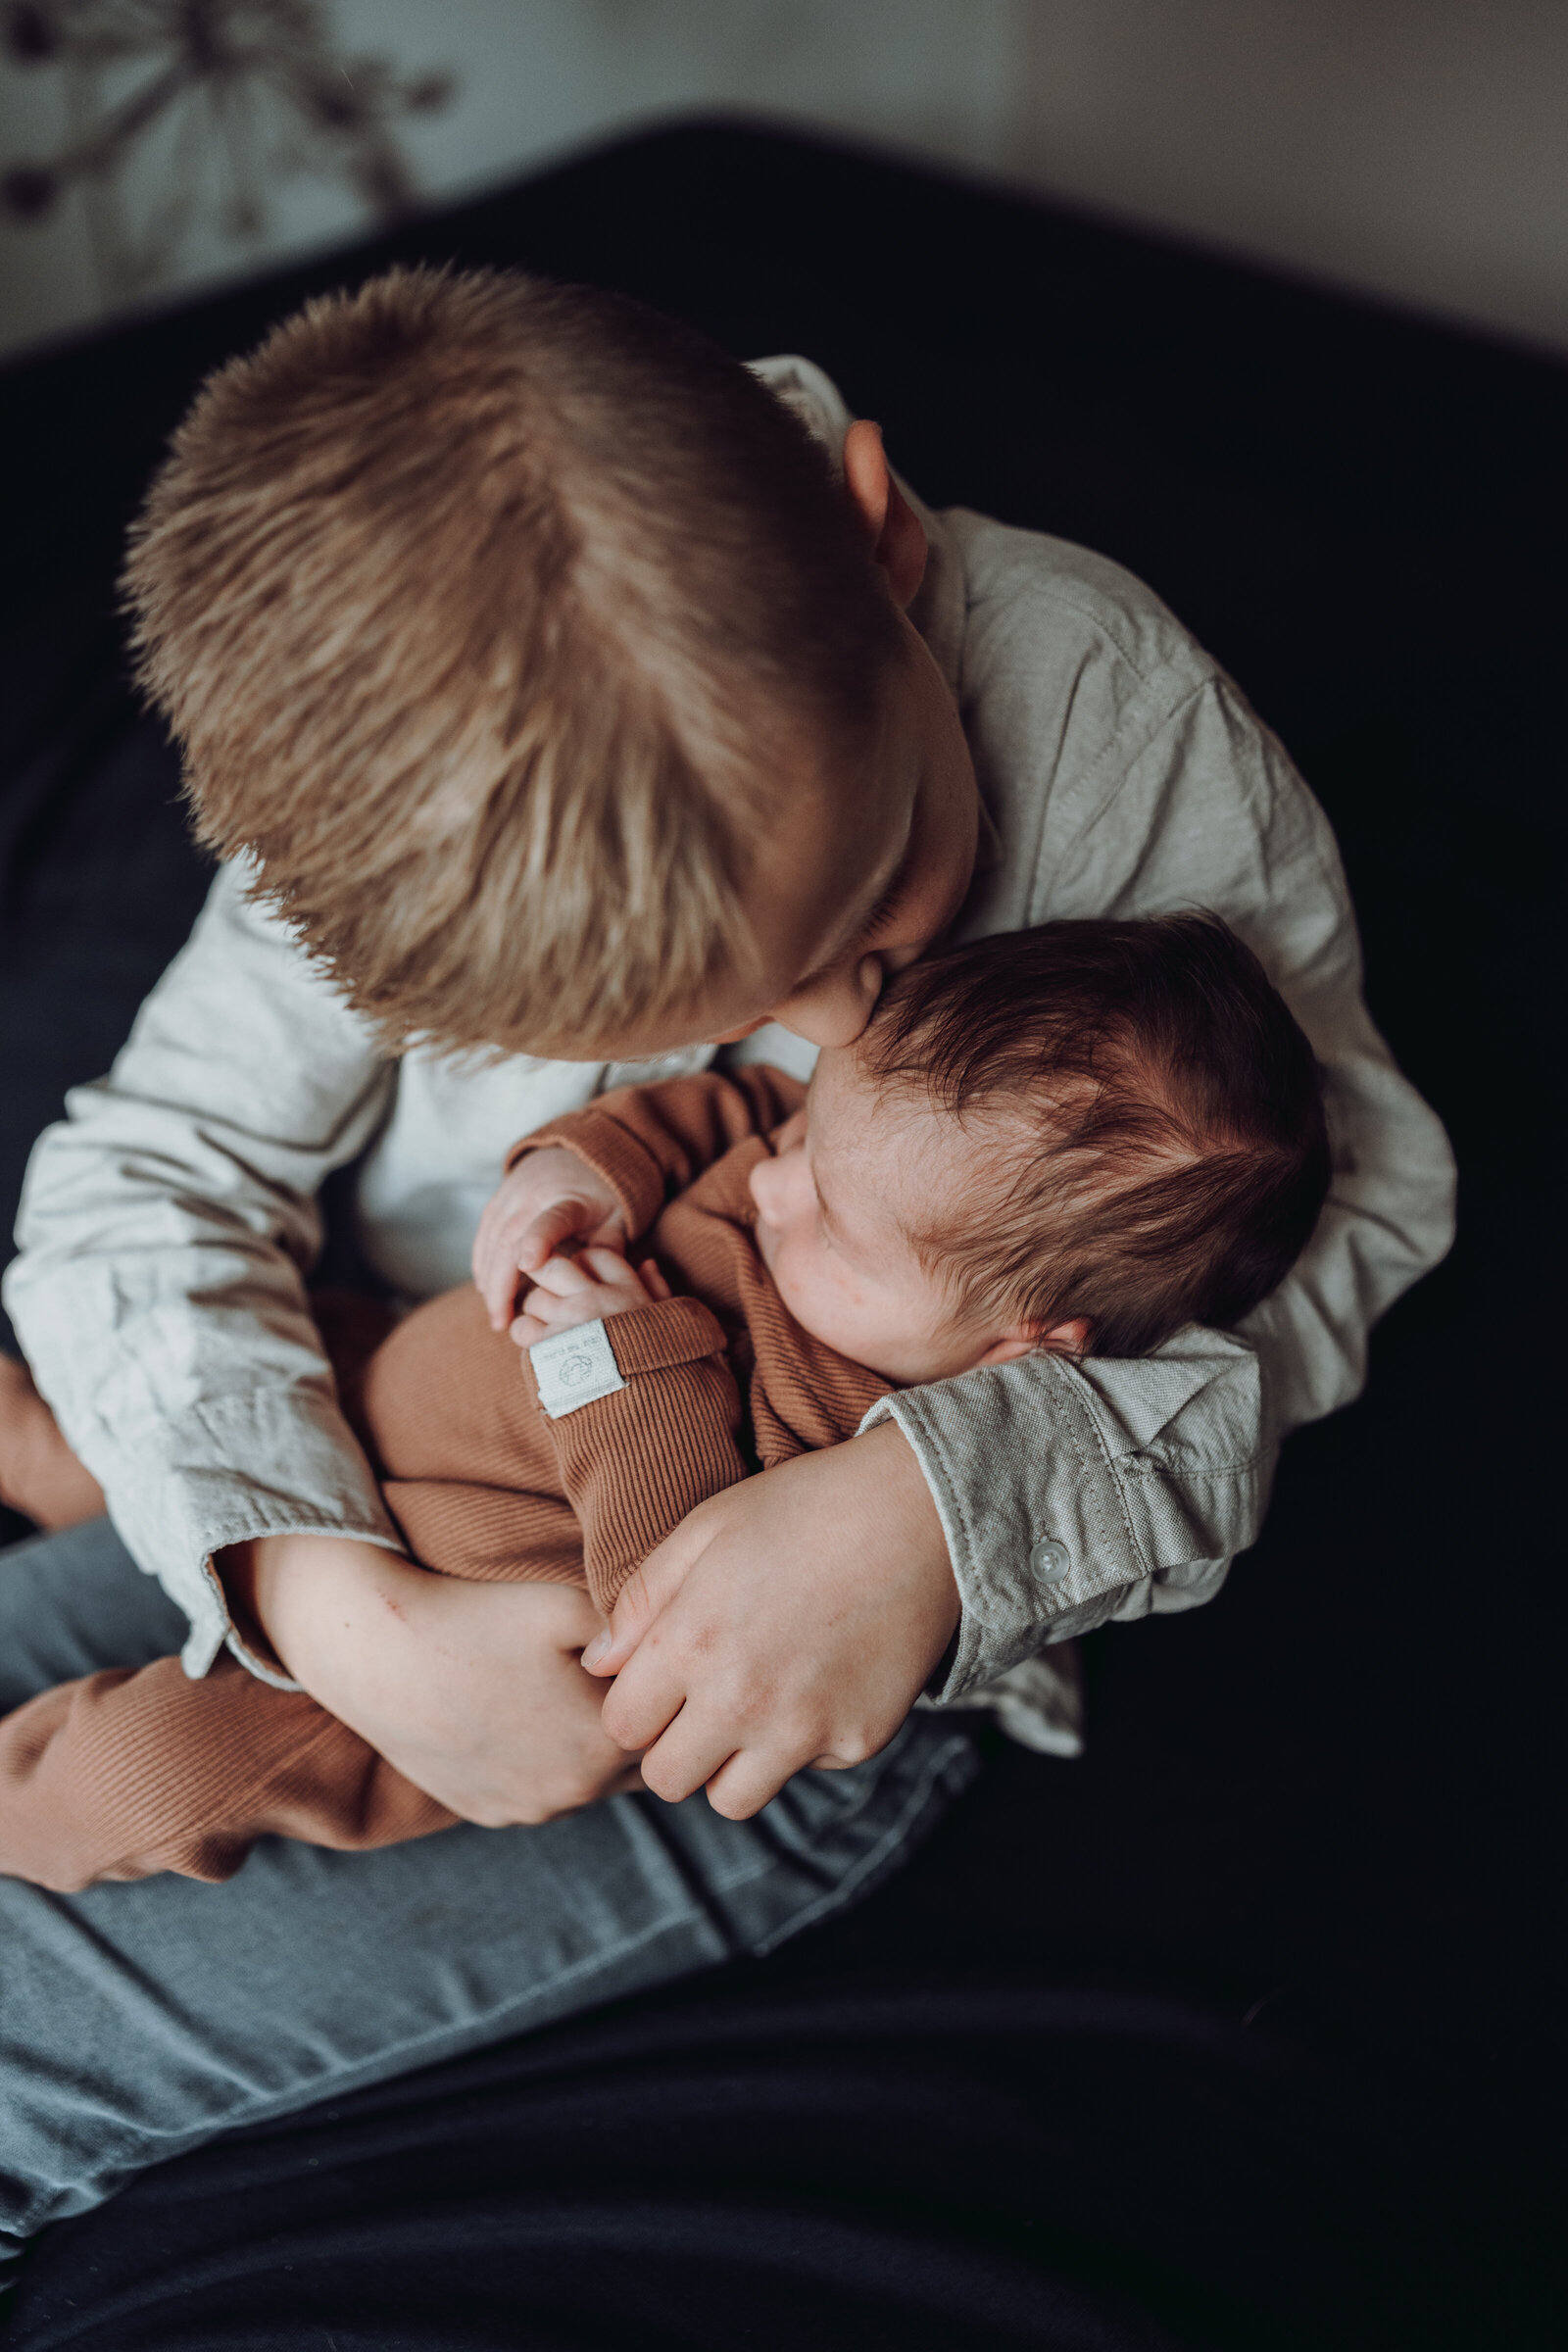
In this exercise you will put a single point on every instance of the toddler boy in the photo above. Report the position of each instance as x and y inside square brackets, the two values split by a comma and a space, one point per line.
[1079, 1138]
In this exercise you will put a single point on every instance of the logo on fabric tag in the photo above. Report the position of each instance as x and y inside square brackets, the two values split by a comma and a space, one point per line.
[573, 1367]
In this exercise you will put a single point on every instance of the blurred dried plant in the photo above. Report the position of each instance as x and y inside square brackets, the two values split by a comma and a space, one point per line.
[216, 103]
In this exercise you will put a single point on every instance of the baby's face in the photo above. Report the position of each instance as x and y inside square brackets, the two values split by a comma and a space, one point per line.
[854, 1173]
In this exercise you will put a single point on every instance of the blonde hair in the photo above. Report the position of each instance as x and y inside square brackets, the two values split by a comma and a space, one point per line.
[494, 619]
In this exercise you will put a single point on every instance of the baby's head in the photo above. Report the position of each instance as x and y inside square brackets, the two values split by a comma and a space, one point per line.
[1077, 1138]
[556, 679]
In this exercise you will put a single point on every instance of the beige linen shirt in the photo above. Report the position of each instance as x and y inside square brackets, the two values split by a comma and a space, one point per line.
[169, 1220]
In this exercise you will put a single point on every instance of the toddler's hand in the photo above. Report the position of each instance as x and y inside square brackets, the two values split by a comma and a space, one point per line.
[584, 1290]
[793, 1619]
[549, 1198]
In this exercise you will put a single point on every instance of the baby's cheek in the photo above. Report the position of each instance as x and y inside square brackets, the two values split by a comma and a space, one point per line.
[797, 1277]
[839, 1285]
[786, 1274]
[837, 1309]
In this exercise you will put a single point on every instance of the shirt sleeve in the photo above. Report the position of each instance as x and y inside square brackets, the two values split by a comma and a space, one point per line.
[649, 1143]
[166, 1229]
[1074, 1492]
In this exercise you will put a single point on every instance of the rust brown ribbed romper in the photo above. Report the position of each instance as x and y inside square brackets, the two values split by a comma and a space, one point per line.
[126, 1773]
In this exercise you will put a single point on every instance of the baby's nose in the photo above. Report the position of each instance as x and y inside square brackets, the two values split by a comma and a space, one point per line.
[773, 1183]
[759, 1182]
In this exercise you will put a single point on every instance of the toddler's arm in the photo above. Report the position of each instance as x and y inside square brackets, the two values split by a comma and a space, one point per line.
[159, 1299]
[165, 1228]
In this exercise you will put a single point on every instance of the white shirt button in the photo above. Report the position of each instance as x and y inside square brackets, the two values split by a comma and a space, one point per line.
[1048, 1558]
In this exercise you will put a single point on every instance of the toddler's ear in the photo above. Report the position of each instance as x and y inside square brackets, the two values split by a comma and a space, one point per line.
[895, 530]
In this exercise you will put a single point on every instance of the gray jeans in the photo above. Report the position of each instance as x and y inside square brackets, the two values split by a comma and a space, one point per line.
[139, 2020]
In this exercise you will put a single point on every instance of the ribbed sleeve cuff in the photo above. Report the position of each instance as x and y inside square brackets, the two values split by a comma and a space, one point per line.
[637, 1462]
[668, 1331]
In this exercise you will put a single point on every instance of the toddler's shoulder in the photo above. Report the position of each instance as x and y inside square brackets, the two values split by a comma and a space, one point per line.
[1051, 606]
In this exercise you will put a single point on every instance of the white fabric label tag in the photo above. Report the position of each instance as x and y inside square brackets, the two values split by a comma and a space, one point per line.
[573, 1367]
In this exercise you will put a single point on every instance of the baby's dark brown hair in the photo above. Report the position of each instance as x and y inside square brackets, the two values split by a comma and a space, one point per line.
[1163, 1154]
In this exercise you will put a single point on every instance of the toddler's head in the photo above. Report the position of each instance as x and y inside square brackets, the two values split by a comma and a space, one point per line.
[559, 689]
[1080, 1137]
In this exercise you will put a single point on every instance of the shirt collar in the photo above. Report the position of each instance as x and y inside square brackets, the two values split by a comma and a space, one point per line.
[940, 604]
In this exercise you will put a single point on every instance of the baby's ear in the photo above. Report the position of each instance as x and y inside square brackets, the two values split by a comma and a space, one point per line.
[1070, 1338]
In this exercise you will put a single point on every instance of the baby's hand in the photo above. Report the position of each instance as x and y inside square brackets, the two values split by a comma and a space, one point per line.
[549, 1198]
[584, 1290]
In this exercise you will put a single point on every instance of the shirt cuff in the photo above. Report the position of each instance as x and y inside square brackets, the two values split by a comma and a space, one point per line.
[174, 1517]
[1036, 1561]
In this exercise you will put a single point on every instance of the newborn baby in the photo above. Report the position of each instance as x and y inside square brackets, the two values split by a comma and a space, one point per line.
[1079, 1138]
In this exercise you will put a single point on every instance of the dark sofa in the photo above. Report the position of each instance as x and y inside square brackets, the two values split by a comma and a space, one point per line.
[1234, 2034]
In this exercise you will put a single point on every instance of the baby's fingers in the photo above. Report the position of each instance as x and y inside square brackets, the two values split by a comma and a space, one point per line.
[546, 1314]
[562, 1221]
[497, 1280]
[607, 1266]
[563, 1277]
[495, 1270]
[652, 1281]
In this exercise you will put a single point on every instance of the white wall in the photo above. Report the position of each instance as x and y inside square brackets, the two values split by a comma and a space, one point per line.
[1416, 148]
